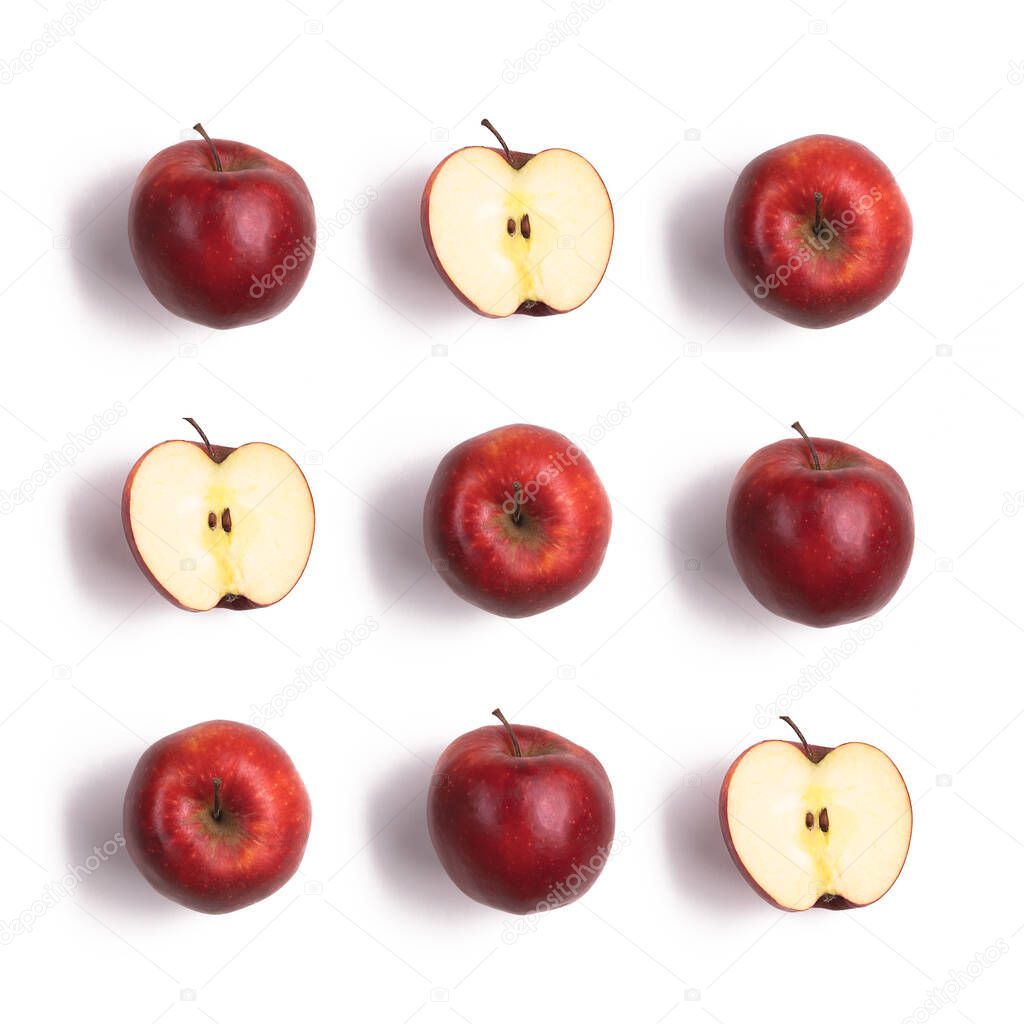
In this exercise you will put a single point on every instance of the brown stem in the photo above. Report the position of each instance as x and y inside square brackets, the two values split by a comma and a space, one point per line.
[810, 444]
[818, 197]
[213, 149]
[789, 721]
[517, 503]
[517, 750]
[225, 520]
[202, 434]
[494, 131]
[216, 812]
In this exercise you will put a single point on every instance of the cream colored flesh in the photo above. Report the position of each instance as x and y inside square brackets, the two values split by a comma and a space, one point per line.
[774, 787]
[176, 487]
[476, 193]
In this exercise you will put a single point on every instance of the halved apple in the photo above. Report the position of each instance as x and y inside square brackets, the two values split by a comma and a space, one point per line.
[215, 527]
[816, 827]
[517, 232]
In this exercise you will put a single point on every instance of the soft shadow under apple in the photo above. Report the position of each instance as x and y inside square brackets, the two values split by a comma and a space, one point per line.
[93, 816]
[107, 276]
[403, 273]
[96, 545]
[397, 816]
[398, 554]
[703, 869]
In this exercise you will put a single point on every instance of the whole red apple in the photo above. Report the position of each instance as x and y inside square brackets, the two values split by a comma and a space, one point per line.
[216, 816]
[817, 231]
[222, 233]
[514, 232]
[516, 520]
[812, 826]
[521, 819]
[820, 531]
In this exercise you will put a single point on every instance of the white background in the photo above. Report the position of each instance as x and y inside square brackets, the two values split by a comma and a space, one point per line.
[376, 371]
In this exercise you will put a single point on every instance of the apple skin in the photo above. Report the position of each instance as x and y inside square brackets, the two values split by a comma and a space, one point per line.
[827, 901]
[821, 547]
[216, 867]
[769, 225]
[513, 832]
[218, 453]
[200, 236]
[508, 570]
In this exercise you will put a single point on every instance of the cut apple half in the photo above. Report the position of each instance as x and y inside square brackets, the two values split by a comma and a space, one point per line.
[516, 232]
[812, 827]
[219, 527]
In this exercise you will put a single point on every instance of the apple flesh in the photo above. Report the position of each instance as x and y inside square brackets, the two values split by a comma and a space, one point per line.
[522, 819]
[821, 532]
[216, 817]
[815, 826]
[817, 231]
[517, 232]
[222, 233]
[215, 527]
[516, 520]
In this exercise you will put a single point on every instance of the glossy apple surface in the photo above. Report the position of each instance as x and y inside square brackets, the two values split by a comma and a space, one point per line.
[821, 546]
[215, 527]
[216, 816]
[516, 520]
[521, 818]
[817, 231]
[221, 247]
[517, 232]
[811, 826]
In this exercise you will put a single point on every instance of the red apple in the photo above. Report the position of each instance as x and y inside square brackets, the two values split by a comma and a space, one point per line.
[517, 232]
[816, 826]
[516, 520]
[521, 819]
[215, 527]
[817, 231]
[216, 816]
[820, 531]
[222, 233]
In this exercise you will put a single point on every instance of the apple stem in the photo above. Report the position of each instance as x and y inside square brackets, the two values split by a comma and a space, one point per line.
[213, 149]
[216, 812]
[494, 131]
[202, 434]
[789, 721]
[517, 503]
[810, 444]
[516, 749]
[818, 197]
